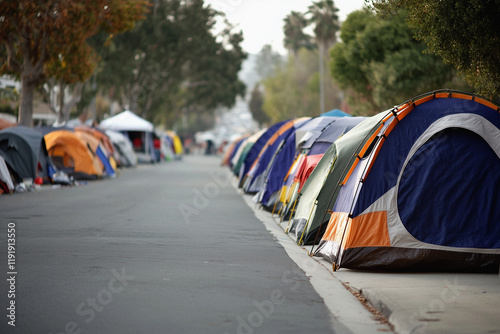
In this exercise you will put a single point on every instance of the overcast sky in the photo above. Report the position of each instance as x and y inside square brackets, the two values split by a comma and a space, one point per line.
[262, 20]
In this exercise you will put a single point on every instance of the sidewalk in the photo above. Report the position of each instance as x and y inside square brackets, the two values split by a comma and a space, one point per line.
[411, 302]
[431, 302]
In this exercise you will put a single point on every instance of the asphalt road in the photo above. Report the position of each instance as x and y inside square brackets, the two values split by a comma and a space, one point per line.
[168, 248]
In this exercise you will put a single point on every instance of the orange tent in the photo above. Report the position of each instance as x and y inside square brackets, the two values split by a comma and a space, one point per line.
[72, 154]
[89, 140]
[103, 138]
[90, 135]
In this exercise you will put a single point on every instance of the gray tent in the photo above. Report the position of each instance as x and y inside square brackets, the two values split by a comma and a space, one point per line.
[319, 193]
[124, 147]
[25, 152]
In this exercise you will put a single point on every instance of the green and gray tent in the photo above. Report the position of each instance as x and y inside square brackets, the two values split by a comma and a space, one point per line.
[320, 191]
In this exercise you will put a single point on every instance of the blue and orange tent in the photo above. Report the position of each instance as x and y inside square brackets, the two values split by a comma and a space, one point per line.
[254, 151]
[293, 145]
[256, 174]
[232, 149]
[416, 188]
[245, 147]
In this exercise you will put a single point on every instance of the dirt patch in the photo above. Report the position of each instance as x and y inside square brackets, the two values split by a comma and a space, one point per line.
[378, 316]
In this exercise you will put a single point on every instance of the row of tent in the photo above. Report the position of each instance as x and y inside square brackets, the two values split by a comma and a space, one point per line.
[416, 187]
[63, 155]
[149, 145]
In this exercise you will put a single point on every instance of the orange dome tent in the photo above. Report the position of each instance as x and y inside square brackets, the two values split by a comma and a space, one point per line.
[72, 155]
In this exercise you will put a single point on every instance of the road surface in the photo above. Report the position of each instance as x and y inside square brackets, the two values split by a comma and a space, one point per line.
[167, 248]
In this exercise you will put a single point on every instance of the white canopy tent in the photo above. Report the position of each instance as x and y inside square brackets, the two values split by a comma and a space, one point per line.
[139, 131]
[127, 121]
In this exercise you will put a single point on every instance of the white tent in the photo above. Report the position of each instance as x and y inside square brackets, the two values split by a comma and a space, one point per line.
[127, 121]
[138, 130]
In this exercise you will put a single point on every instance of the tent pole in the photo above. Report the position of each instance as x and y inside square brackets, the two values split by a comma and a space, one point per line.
[307, 223]
[279, 196]
[292, 212]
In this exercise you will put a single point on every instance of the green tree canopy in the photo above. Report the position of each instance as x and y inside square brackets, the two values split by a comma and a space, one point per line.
[323, 16]
[294, 90]
[380, 64]
[267, 62]
[464, 33]
[295, 37]
[255, 106]
[174, 62]
[48, 38]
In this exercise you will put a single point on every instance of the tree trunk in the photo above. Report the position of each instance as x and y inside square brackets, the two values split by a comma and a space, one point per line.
[26, 105]
[60, 101]
[31, 75]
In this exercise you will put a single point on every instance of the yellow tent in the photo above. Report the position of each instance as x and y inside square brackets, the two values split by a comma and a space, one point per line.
[177, 143]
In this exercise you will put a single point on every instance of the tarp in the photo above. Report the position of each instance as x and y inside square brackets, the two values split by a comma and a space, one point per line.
[422, 190]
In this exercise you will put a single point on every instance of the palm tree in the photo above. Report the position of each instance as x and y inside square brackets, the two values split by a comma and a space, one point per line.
[295, 38]
[323, 15]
